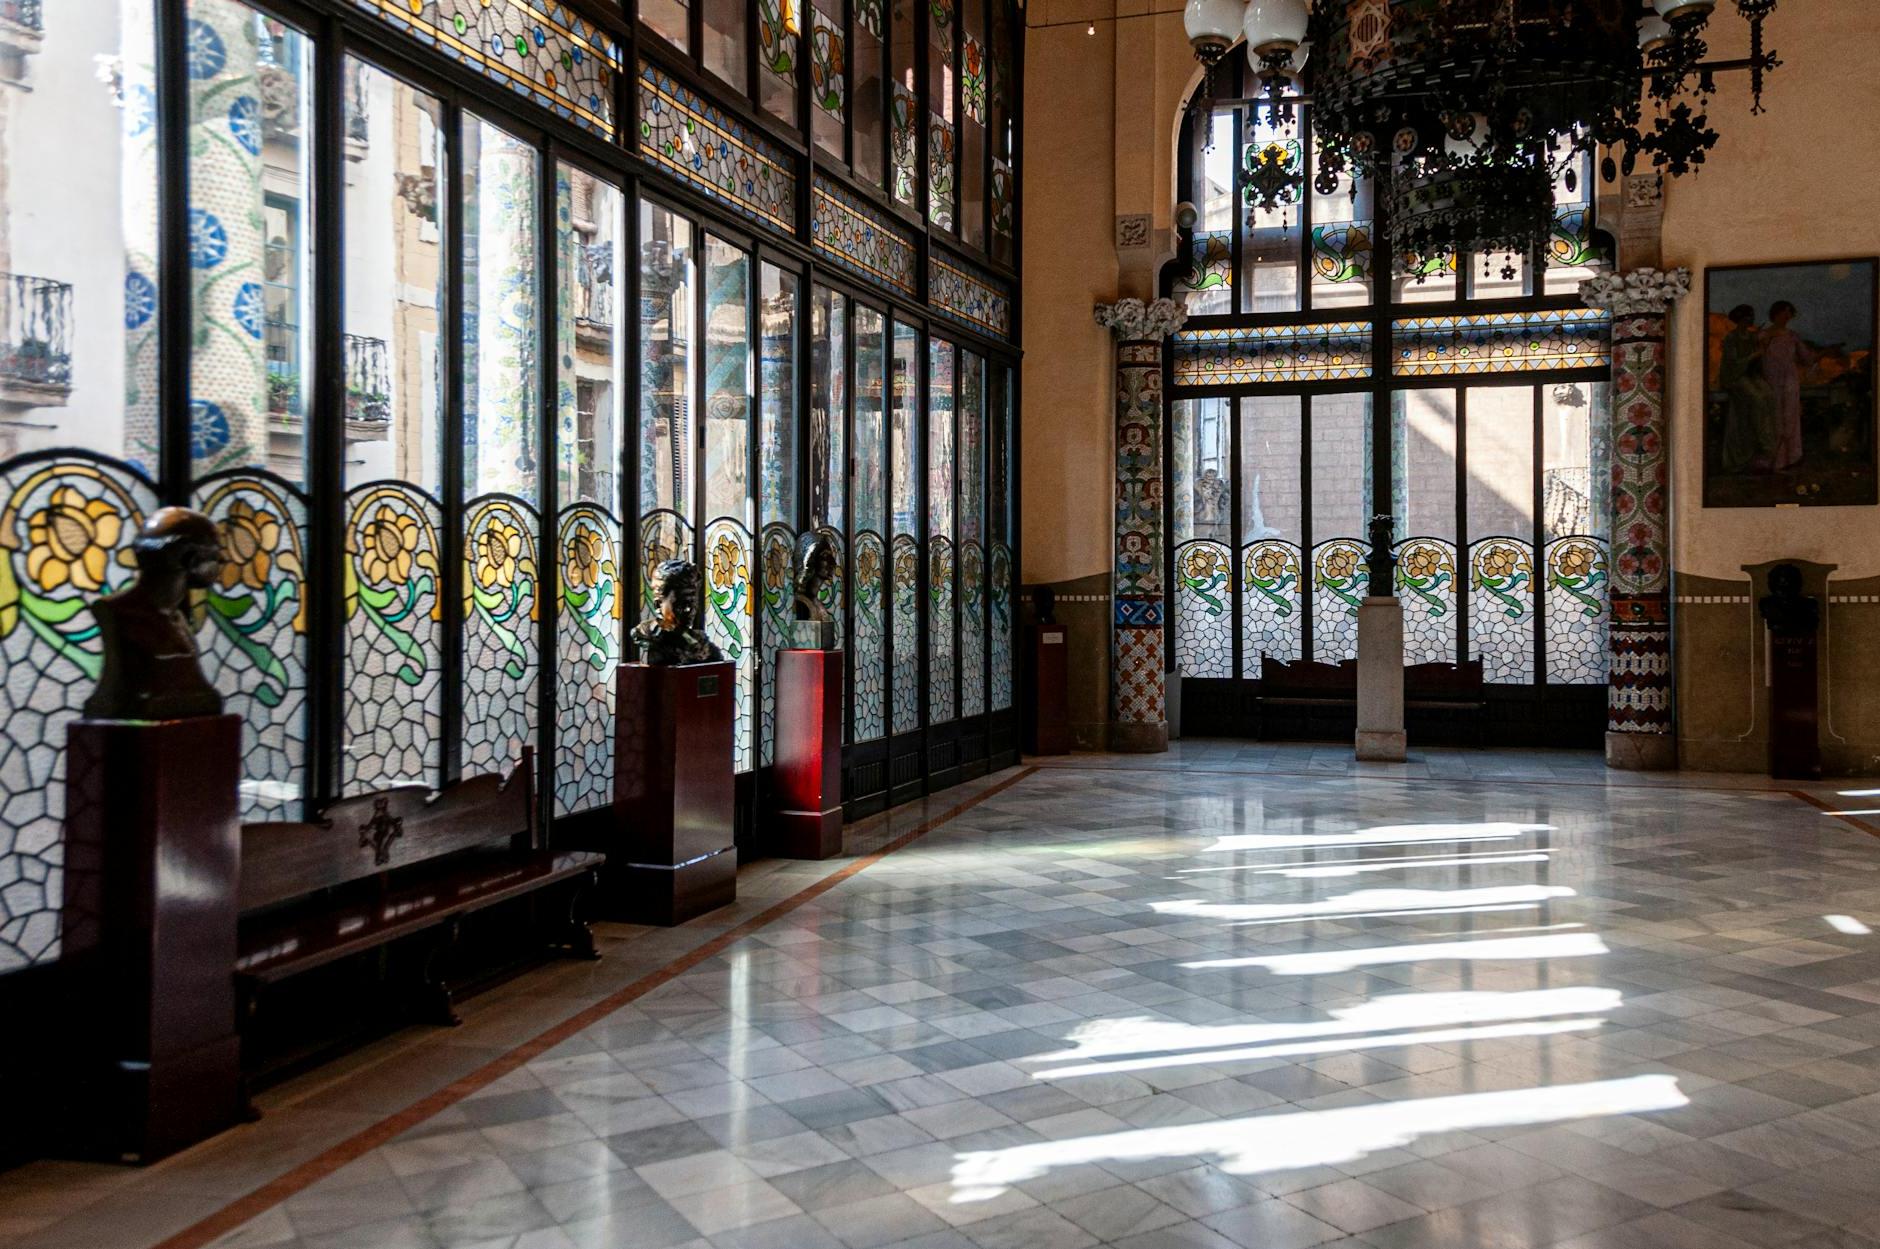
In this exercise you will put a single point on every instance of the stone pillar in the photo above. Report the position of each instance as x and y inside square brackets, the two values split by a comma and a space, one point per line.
[1639, 729]
[1138, 703]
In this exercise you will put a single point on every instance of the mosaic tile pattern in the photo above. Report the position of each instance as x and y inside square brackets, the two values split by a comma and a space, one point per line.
[1166, 1003]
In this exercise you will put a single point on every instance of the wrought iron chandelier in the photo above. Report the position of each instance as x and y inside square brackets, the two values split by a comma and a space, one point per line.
[1469, 113]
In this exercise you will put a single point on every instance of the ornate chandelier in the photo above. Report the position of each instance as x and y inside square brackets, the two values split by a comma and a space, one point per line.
[1469, 113]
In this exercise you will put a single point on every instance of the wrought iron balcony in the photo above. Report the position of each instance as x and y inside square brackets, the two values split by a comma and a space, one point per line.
[27, 13]
[594, 286]
[35, 331]
[368, 381]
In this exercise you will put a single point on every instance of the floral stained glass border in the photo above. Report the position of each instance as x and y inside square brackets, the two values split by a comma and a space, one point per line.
[701, 145]
[859, 238]
[963, 296]
[543, 52]
[1321, 352]
[1501, 342]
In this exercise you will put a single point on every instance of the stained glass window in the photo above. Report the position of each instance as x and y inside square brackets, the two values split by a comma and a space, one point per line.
[700, 144]
[547, 54]
[670, 19]
[1272, 527]
[589, 551]
[904, 132]
[970, 299]
[730, 609]
[394, 228]
[941, 163]
[972, 533]
[868, 528]
[904, 440]
[1500, 520]
[668, 438]
[1200, 437]
[1501, 342]
[860, 238]
[1341, 511]
[778, 54]
[1003, 573]
[828, 76]
[1429, 578]
[778, 314]
[828, 410]
[725, 40]
[941, 558]
[868, 106]
[1324, 351]
[1209, 282]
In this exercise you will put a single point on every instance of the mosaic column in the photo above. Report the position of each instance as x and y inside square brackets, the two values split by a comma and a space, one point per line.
[1138, 706]
[1639, 731]
[228, 368]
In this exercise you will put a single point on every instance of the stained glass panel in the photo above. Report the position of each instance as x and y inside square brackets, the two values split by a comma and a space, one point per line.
[906, 571]
[777, 546]
[970, 471]
[860, 238]
[1002, 632]
[667, 436]
[870, 649]
[730, 614]
[941, 649]
[904, 500]
[705, 147]
[1501, 342]
[777, 57]
[1339, 584]
[964, 296]
[828, 76]
[546, 54]
[65, 535]
[941, 162]
[1576, 607]
[1426, 586]
[500, 664]
[392, 670]
[253, 636]
[587, 632]
[1204, 614]
[1326, 351]
[1272, 612]
[1209, 283]
[904, 130]
[1501, 609]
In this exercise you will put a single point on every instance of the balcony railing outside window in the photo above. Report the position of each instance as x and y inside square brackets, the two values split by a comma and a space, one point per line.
[368, 383]
[27, 13]
[35, 329]
[594, 281]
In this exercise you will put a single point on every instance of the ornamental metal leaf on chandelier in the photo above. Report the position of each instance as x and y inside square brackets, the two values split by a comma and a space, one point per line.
[1469, 113]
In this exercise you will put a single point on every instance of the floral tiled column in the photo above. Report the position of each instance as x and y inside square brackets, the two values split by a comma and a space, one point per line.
[1639, 733]
[1138, 707]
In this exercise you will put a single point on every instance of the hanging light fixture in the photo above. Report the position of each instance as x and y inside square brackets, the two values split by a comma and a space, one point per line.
[1470, 112]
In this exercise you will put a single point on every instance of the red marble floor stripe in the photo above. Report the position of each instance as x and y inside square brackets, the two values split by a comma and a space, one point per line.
[1821, 805]
[312, 1171]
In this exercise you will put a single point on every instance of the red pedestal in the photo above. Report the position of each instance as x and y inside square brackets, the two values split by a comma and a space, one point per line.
[806, 798]
[669, 852]
[153, 846]
[1048, 726]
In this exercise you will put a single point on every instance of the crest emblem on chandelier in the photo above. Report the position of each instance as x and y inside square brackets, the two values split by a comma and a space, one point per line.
[1469, 113]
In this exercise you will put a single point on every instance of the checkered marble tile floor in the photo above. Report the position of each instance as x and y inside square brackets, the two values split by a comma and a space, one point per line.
[1178, 1008]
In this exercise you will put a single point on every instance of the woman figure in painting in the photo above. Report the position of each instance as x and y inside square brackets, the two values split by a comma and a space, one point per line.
[1784, 356]
[1749, 431]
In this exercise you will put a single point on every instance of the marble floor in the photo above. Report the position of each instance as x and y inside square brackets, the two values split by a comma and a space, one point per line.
[1236, 997]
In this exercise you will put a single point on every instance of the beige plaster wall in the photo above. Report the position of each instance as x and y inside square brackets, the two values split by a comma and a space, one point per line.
[1799, 183]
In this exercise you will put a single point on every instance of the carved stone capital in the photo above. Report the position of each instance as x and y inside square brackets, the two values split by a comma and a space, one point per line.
[1133, 321]
[1642, 290]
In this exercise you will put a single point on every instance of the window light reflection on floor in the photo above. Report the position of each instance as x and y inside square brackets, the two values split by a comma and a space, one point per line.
[1332, 962]
[1283, 1142]
[1848, 924]
[1383, 835]
[1116, 1046]
[1369, 901]
[1353, 867]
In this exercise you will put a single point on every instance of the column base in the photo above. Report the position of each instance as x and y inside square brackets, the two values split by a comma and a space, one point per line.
[1139, 739]
[1642, 752]
[1376, 746]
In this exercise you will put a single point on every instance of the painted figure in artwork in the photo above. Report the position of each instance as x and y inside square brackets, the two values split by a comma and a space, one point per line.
[1784, 357]
[1749, 430]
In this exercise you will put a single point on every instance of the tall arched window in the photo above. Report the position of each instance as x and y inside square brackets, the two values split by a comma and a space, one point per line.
[1320, 380]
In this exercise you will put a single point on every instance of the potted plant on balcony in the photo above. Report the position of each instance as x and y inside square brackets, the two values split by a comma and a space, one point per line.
[284, 394]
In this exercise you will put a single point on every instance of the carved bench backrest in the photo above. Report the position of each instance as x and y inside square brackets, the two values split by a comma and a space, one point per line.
[357, 838]
[1427, 680]
[1306, 676]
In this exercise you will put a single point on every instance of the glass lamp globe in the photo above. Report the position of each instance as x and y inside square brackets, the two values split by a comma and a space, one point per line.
[1653, 33]
[1212, 25]
[1275, 25]
[1300, 56]
[1669, 9]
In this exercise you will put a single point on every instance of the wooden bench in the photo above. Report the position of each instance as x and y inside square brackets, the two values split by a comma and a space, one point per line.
[404, 863]
[1309, 685]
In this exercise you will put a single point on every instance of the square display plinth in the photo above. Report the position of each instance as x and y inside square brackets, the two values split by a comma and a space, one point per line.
[806, 777]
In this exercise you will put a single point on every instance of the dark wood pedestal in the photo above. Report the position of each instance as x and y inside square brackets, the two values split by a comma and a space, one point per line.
[1794, 710]
[1047, 676]
[669, 851]
[806, 801]
[153, 852]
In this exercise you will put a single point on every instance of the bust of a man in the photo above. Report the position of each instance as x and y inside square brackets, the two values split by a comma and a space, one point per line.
[816, 567]
[151, 669]
[671, 635]
[1785, 609]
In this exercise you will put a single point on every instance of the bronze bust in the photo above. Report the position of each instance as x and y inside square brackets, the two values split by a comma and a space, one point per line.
[816, 567]
[1785, 609]
[151, 669]
[671, 636]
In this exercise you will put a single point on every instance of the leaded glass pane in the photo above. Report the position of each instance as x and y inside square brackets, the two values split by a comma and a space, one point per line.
[730, 612]
[828, 76]
[778, 54]
[904, 553]
[781, 298]
[1272, 525]
[972, 530]
[941, 653]
[668, 439]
